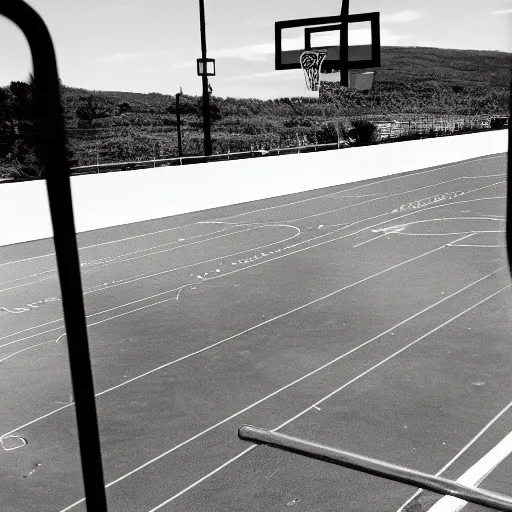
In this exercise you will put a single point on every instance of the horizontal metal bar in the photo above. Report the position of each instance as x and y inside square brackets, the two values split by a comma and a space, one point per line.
[202, 157]
[375, 467]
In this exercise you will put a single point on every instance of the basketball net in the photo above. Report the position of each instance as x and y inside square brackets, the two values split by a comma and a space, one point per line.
[311, 62]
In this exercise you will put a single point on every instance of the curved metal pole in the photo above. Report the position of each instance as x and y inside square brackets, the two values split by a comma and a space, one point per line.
[509, 186]
[52, 154]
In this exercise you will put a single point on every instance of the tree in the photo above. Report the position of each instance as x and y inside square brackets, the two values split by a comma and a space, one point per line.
[215, 113]
[124, 108]
[19, 135]
[93, 107]
[18, 138]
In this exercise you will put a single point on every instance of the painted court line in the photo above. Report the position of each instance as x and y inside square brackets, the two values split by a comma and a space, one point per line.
[386, 233]
[392, 178]
[489, 157]
[98, 245]
[245, 268]
[399, 194]
[24, 350]
[86, 292]
[240, 224]
[142, 256]
[145, 298]
[220, 468]
[460, 453]
[330, 395]
[480, 246]
[374, 199]
[452, 244]
[280, 390]
[114, 259]
[225, 340]
[192, 265]
[476, 474]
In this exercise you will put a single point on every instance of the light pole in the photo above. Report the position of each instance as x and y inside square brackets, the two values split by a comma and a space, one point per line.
[204, 76]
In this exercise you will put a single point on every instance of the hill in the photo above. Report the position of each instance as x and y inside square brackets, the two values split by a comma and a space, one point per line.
[118, 126]
[469, 68]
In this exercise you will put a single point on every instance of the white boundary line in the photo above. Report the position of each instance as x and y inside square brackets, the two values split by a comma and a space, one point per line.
[304, 377]
[97, 245]
[386, 233]
[238, 270]
[330, 395]
[87, 264]
[476, 474]
[374, 199]
[401, 176]
[86, 292]
[254, 327]
[147, 255]
[460, 453]
[213, 238]
[405, 175]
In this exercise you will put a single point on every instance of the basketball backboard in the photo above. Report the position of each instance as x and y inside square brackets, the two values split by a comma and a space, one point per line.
[293, 37]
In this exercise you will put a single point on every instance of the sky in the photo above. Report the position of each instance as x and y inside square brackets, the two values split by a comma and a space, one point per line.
[152, 45]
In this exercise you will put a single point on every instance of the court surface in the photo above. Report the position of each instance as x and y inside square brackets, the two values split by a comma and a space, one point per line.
[374, 317]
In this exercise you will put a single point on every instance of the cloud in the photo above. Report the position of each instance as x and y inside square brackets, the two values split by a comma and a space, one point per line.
[272, 75]
[121, 57]
[400, 17]
[251, 53]
[260, 23]
[263, 52]
[388, 38]
[254, 52]
[502, 11]
[186, 64]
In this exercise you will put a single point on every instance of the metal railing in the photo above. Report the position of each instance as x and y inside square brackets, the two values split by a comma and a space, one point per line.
[197, 159]
[375, 467]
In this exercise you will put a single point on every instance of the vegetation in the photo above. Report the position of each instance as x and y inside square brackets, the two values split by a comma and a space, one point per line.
[18, 133]
[120, 126]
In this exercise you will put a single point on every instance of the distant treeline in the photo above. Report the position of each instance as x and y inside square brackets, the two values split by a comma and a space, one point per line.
[121, 126]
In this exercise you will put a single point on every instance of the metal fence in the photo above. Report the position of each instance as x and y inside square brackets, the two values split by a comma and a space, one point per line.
[188, 160]
[387, 131]
[433, 126]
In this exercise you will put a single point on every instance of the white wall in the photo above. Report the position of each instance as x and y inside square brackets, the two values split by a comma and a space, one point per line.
[103, 200]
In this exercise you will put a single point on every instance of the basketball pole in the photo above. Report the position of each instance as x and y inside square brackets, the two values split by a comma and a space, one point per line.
[206, 96]
[344, 44]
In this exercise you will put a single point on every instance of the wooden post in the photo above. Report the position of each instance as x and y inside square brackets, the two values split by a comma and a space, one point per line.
[178, 123]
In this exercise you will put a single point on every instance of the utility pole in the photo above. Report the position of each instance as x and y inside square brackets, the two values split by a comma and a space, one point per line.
[178, 122]
[344, 75]
[206, 97]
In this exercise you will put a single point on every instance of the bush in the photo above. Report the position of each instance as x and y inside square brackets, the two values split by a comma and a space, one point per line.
[364, 131]
[327, 134]
[497, 123]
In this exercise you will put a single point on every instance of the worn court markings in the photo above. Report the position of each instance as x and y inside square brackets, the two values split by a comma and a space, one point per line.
[330, 363]
[385, 180]
[229, 273]
[325, 398]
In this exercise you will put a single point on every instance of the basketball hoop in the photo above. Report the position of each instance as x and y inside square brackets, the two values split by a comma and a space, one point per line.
[311, 62]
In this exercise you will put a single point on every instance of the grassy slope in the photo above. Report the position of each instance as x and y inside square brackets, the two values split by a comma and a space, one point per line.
[461, 67]
[411, 81]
